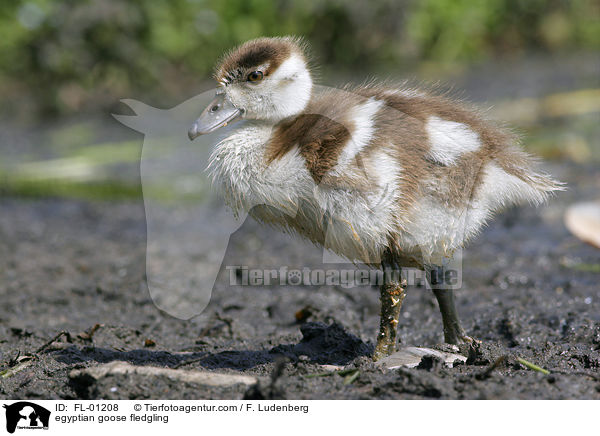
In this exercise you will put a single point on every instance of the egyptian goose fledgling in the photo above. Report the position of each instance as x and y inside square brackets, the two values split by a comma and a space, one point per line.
[381, 175]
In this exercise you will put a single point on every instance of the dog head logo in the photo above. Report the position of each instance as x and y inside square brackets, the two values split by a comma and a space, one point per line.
[26, 415]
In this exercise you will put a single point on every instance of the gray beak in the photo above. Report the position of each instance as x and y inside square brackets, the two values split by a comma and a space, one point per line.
[217, 114]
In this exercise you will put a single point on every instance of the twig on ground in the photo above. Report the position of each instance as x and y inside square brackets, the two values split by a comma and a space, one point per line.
[210, 325]
[532, 366]
[14, 360]
[488, 371]
[228, 322]
[351, 378]
[24, 363]
[55, 338]
[88, 336]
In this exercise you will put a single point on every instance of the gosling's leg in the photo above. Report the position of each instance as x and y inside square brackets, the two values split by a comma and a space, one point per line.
[453, 331]
[392, 295]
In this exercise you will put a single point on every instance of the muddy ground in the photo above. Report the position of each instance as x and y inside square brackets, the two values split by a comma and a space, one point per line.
[531, 290]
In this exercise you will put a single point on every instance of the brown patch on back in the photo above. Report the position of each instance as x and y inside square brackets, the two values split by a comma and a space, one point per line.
[320, 141]
[271, 51]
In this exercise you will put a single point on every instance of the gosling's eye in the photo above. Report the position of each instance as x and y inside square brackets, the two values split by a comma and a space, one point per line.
[255, 76]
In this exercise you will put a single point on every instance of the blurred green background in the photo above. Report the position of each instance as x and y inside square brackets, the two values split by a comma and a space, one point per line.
[64, 65]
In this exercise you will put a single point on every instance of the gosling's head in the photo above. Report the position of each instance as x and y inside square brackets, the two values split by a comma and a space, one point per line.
[264, 79]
